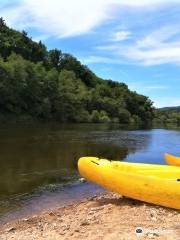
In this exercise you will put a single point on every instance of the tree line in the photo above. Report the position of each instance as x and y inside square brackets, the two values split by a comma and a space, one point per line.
[167, 116]
[50, 85]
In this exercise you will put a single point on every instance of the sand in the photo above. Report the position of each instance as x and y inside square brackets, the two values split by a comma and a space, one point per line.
[104, 217]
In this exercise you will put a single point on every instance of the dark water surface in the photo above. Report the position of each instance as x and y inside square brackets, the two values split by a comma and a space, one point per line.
[38, 163]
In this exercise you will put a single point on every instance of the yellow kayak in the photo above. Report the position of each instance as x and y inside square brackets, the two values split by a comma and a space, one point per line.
[157, 184]
[172, 160]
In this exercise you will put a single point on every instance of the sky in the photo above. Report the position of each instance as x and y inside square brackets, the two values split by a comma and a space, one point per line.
[132, 41]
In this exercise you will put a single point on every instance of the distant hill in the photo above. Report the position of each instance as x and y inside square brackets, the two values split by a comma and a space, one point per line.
[170, 109]
[50, 85]
[167, 115]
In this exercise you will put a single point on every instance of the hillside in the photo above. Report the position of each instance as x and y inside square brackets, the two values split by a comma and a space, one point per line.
[168, 115]
[50, 85]
[170, 109]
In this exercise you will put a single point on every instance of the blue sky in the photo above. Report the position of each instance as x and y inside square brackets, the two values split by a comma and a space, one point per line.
[132, 41]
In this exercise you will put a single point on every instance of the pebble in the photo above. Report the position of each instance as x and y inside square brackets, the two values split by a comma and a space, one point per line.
[65, 227]
[77, 230]
[97, 222]
[60, 219]
[97, 208]
[84, 223]
[92, 217]
[93, 198]
[82, 180]
[51, 214]
[11, 229]
[170, 215]
[90, 213]
[152, 235]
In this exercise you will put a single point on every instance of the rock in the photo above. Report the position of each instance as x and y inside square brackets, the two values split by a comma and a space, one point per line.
[109, 206]
[97, 221]
[60, 219]
[96, 208]
[65, 227]
[11, 229]
[152, 215]
[51, 214]
[82, 180]
[90, 213]
[77, 230]
[54, 225]
[151, 235]
[91, 218]
[170, 215]
[25, 219]
[39, 224]
[85, 223]
[92, 198]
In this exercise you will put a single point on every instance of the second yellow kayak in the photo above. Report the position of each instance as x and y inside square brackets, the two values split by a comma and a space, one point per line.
[172, 160]
[157, 184]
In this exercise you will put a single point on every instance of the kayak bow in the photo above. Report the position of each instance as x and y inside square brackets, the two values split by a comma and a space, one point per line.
[172, 160]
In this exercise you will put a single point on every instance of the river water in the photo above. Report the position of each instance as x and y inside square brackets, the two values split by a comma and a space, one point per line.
[38, 163]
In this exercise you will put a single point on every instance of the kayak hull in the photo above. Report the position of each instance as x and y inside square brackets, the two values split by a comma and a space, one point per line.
[172, 160]
[156, 184]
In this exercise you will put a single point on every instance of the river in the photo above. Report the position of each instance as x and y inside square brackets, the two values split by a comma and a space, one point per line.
[39, 162]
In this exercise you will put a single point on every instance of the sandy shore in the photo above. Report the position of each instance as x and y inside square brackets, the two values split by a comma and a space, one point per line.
[104, 217]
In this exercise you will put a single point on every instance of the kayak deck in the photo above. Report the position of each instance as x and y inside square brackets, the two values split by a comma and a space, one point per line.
[161, 171]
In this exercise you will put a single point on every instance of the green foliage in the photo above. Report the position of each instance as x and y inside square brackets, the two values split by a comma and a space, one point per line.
[40, 84]
[54, 58]
[70, 63]
[167, 116]
[19, 43]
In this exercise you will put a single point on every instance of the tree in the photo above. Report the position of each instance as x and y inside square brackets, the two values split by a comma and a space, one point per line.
[43, 84]
[54, 58]
[2, 22]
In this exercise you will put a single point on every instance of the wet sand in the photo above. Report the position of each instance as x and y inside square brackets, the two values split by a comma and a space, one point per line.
[107, 216]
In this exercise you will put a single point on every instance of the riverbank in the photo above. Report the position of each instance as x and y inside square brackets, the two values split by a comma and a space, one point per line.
[104, 217]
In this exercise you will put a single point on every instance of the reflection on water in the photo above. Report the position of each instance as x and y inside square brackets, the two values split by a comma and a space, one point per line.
[33, 158]
[36, 156]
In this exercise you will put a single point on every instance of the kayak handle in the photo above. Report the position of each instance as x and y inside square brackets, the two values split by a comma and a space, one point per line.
[95, 162]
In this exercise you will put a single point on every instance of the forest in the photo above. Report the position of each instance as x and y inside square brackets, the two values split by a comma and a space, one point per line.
[41, 84]
[167, 116]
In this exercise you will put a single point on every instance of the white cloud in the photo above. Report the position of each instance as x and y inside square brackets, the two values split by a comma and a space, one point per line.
[120, 36]
[96, 59]
[156, 48]
[146, 87]
[58, 17]
[159, 47]
[166, 101]
[142, 3]
[65, 18]
[41, 37]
